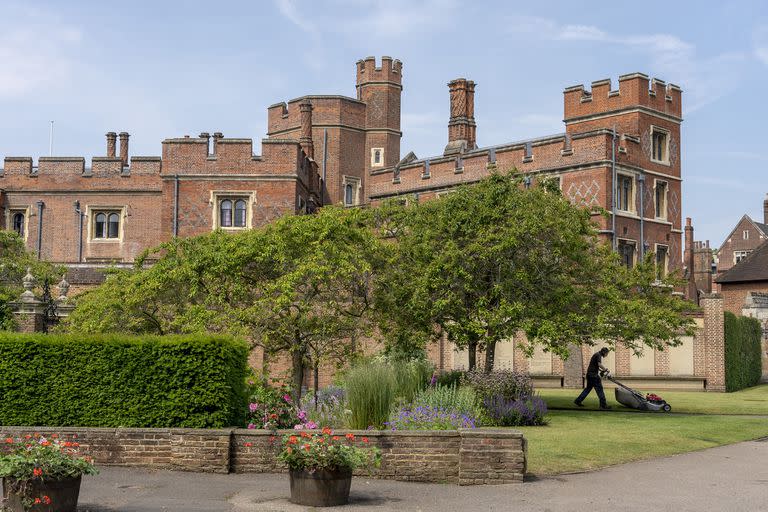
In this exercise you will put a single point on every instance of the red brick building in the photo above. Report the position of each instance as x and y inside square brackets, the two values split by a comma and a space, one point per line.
[621, 144]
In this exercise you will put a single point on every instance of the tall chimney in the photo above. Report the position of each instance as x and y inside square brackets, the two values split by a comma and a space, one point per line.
[765, 209]
[305, 140]
[111, 144]
[124, 147]
[207, 137]
[691, 289]
[462, 129]
[216, 137]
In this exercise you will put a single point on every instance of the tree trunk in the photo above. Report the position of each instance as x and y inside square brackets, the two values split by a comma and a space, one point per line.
[297, 377]
[317, 379]
[490, 355]
[472, 352]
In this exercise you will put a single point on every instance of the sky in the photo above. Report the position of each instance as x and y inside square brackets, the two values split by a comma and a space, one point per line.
[164, 69]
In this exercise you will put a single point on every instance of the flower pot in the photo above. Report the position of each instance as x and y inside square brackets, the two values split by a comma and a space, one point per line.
[63, 495]
[320, 488]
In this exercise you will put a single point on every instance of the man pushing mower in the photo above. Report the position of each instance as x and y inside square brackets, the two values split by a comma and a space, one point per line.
[593, 379]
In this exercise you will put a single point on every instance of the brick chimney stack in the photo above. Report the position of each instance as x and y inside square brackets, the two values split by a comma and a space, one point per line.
[765, 209]
[111, 144]
[461, 126]
[305, 107]
[207, 137]
[691, 288]
[124, 147]
[216, 137]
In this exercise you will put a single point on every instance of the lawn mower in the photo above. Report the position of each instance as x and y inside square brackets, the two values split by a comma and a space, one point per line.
[630, 398]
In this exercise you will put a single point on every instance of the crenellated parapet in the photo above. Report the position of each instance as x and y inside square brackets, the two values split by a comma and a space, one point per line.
[390, 71]
[636, 90]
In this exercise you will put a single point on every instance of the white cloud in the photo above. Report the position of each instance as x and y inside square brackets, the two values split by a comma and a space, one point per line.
[288, 9]
[704, 79]
[35, 52]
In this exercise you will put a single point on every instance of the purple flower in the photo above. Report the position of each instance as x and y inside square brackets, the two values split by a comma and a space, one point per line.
[251, 425]
[310, 425]
[302, 415]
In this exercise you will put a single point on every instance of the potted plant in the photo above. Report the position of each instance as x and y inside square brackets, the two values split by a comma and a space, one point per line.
[321, 465]
[41, 474]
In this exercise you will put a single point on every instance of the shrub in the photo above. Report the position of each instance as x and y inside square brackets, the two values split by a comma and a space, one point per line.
[500, 383]
[429, 418]
[330, 409]
[525, 411]
[370, 394]
[450, 378]
[411, 377]
[270, 407]
[743, 365]
[116, 380]
[460, 400]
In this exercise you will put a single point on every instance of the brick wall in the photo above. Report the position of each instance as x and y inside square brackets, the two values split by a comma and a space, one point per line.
[735, 294]
[464, 457]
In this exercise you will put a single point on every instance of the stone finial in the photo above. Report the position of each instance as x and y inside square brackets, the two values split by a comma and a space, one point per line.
[63, 288]
[28, 282]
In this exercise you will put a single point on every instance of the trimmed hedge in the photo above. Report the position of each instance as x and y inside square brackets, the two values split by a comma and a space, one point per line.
[122, 381]
[743, 365]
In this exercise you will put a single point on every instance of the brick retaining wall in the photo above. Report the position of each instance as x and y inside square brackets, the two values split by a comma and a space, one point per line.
[464, 457]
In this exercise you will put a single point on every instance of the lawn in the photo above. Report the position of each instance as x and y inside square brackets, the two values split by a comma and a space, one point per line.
[747, 401]
[586, 440]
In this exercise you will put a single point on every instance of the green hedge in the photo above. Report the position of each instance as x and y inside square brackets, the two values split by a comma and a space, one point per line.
[122, 381]
[743, 365]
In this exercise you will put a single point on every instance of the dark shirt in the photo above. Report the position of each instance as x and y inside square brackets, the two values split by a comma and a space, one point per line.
[593, 368]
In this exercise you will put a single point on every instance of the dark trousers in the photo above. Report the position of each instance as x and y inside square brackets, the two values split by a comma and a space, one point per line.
[593, 381]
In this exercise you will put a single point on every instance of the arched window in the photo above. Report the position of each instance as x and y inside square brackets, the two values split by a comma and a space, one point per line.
[240, 209]
[18, 223]
[377, 156]
[114, 226]
[225, 214]
[349, 194]
[100, 226]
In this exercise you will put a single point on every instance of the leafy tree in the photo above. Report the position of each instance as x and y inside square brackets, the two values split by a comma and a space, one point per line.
[302, 285]
[495, 258]
[14, 262]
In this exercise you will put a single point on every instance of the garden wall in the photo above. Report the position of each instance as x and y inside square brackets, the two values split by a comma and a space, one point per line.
[464, 457]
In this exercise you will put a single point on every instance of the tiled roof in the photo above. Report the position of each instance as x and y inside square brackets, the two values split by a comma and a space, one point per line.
[752, 268]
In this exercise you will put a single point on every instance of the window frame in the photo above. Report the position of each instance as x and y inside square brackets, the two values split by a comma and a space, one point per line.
[739, 256]
[665, 156]
[745, 234]
[12, 211]
[93, 211]
[218, 197]
[632, 193]
[356, 185]
[665, 270]
[374, 163]
[630, 243]
[664, 201]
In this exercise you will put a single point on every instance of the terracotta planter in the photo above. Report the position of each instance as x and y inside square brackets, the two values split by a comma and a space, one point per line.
[63, 495]
[321, 488]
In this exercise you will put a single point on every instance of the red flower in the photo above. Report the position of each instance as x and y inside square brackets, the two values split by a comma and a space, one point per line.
[37, 501]
[327, 431]
[365, 439]
[9, 440]
[350, 436]
[304, 434]
[307, 447]
[335, 438]
[37, 472]
[46, 500]
[293, 440]
[248, 445]
[273, 416]
[53, 436]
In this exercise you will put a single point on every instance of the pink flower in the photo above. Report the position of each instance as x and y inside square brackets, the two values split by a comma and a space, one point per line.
[302, 415]
[251, 425]
[253, 407]
[298, 427]
[310, 425]
[287, 398]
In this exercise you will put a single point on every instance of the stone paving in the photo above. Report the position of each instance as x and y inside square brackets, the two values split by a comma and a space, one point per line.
[732, 478]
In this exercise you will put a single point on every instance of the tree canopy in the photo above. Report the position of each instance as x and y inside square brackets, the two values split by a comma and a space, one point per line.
[15, 259]
[300, 286]
[495, 258]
